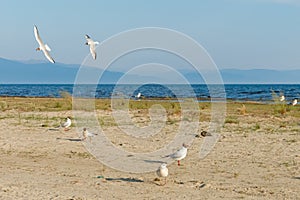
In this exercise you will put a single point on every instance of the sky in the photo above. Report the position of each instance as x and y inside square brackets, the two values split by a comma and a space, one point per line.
[241, 34]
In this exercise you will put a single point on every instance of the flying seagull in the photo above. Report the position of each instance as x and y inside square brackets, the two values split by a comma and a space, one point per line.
[43, 47]
[92, 45]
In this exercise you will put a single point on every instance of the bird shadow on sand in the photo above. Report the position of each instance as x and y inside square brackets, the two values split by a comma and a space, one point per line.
[53, 129]
[154, 161]
[131, 180]
[71, 139]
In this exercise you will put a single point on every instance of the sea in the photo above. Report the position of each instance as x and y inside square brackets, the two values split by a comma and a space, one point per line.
[234, 92]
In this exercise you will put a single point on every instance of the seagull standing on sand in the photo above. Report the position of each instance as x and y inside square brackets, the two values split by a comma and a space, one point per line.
[163, 171]
[179, 154]
[294, 102]
[43, 47]
[282, 98]
[138, 96]
[86, 134]
[92, 45]
[67, 124]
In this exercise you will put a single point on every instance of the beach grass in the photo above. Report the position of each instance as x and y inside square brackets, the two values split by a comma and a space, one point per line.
[30, 104]
[35, 109]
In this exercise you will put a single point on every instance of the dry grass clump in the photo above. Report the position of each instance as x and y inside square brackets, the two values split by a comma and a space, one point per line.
[30, 104]
[231, 120]
[242, 110]
[67, 99]
[3, 105]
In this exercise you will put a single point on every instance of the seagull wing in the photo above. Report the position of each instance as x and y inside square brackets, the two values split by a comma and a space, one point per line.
[180, 153]
[37, 36]
[65, 124]
[91, 134]
[43, 47]
[89, 41]
[93, 50]
[48, 56]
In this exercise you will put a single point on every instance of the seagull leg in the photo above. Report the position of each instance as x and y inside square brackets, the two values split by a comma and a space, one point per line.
[178, 162]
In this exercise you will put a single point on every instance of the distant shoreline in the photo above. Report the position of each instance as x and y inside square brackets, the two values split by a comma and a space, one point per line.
[166, 99]
[168, 84]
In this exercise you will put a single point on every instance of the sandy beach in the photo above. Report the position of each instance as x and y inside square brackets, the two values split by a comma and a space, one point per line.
[256, 157]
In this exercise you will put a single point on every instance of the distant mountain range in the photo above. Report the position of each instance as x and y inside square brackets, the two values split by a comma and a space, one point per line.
[38, 72]
[261, 76]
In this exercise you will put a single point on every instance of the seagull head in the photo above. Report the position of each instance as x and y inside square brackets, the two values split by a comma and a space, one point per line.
[185, 145]
[164, 165]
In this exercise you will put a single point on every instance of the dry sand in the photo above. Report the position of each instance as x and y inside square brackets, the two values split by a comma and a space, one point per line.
[257, 157]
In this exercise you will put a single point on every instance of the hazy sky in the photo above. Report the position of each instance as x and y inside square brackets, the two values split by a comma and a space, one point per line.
[236, 33]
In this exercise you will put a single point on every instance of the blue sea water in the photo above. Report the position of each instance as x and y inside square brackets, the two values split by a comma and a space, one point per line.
[237, 92]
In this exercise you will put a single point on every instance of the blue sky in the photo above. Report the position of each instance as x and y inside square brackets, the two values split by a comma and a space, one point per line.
[241, 34]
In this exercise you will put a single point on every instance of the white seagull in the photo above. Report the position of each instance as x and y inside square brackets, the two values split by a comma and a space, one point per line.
[86, 134]
[92, 45]
[294, 102]
[179, 154]
[163, 171]
[138, 96]
[282, 98]
[43, 47]
[67, 124]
